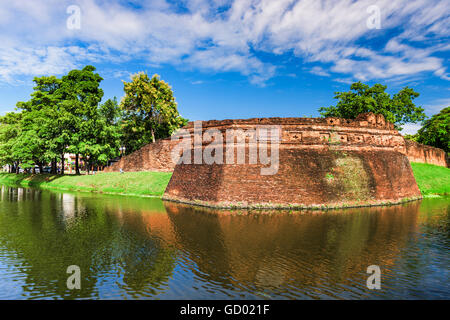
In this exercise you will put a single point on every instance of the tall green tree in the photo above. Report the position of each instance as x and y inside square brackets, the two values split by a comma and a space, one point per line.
[398, 109]
[436, 130]
[10, 131]
[29, 146]
[81, 93]
[106, 138]
[42, 125]
[150, 111]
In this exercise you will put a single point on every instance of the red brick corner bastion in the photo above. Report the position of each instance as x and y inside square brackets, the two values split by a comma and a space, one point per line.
[328, 162]
[323, 162]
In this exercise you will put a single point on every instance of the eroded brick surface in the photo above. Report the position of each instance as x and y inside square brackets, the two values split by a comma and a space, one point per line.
[417, 152]
[151, 157]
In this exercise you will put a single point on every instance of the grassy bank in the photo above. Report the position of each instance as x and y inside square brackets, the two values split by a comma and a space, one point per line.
[432, 179]
[129, 183]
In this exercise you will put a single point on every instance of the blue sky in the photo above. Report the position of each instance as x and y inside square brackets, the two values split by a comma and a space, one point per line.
[233, 59]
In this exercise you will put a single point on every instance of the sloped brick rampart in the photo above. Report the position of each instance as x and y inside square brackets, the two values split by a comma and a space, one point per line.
[328, 162]
[417, 152]
[322, 162]
[364, 133]
[151, 157]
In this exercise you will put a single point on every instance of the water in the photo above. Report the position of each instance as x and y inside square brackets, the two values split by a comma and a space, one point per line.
[135, 248]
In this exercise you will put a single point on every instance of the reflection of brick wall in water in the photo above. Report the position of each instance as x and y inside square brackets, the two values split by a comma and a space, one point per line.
[327, 161]
[247, 251]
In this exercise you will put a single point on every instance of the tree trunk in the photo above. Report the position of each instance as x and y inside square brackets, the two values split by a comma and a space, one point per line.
[17, 167]
[53, 170]
[77, 167]
[41, 168]
[34, 170]
[62, 163]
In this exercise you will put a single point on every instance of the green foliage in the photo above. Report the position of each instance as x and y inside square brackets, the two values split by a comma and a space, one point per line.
[107, 131]
[10, 131]
[64, 115]
[91, 134]
[436, 131]
[398, 109]
[412, 137]
[149, 111]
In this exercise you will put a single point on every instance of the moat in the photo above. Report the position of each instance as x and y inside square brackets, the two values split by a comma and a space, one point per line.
[144, 248]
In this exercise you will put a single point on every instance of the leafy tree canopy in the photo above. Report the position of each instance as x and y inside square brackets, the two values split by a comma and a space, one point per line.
[398, 109]
[64, 115]
[436, 130]
[150, 111]
[10, 131]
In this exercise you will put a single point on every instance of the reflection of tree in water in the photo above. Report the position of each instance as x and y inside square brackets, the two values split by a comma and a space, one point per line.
[47, 243]
[275, 252]
[47, 232]
[145, 261]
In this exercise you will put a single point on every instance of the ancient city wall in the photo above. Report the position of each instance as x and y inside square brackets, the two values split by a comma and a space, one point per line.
[363, 133]
[417, 152]
[151, 157]
[322, 162]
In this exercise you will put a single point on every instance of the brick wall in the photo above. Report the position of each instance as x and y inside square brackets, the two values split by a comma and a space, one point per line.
[305, 178]
[367, 132]
[151, 157]
[417, 152]
[330, 161]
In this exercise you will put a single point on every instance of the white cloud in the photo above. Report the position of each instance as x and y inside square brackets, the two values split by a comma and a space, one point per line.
[437, 106]
[319, 71]
[410, 128]
[49, 60]
[223, 36]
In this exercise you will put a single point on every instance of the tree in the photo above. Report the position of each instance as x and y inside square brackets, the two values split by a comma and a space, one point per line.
[10, 131]
[106, 129]
[412, 137]
[399, 109]
[29, 146]
[150, 111]
[40, 122]
[64, 115]
[436, 130]
[81, 93]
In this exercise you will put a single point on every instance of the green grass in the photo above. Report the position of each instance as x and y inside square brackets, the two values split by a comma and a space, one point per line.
[432, 179]
[129, 183]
